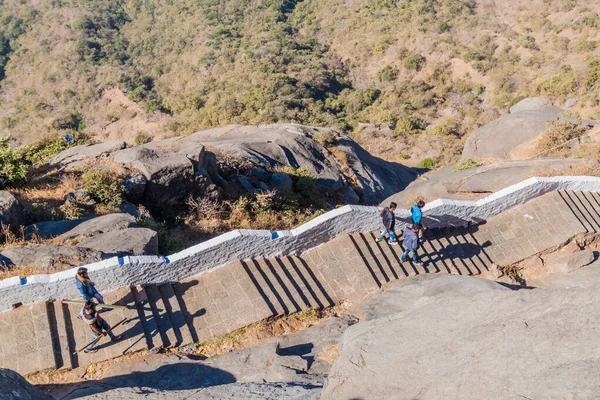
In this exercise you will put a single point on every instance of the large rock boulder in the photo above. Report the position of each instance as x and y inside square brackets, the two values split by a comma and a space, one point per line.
[11, 211]
[50, 229]
[99, 225]
[170, 176]
[15, 387]
[476, 183]
[435, 337]
[530, 104]
[129, 241]
[49, 257]
[296, 146]
[511, 136]
[76, 157]
[275, 145]
[376, 178]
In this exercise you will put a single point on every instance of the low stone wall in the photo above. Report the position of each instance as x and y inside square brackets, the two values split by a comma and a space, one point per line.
[243, 244]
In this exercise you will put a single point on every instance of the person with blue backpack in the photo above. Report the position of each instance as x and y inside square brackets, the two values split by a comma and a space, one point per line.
[416, 214]
[87, 288]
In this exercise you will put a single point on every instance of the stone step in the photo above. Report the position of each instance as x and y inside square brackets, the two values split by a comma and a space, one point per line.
[373, 258]
[161, 316]
[152, 334]
[268, 287]
[176, 316]
[449, 253]
[580, 212]
[62, 334]
[385, 255]
[465, 252]
[317, 294]
[590, 208]
[280, 287]
[476, 252]
[435, 252]
[179, 289]
[298, 281]
[26, 344]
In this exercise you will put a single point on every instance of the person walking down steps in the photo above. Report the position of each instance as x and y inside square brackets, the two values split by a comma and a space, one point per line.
[86, 288]
[411, 242]
[389, 224]
[97, 324]
[416, 215]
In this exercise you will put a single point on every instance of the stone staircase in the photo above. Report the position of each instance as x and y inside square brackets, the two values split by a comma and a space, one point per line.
[45, 336]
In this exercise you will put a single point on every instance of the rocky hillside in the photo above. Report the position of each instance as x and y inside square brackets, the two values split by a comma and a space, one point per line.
[134, 70]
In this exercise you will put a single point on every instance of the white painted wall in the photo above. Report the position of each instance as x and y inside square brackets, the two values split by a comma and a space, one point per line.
[243, 244]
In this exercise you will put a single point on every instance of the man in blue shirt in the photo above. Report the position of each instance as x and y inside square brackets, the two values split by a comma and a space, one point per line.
[417, 216]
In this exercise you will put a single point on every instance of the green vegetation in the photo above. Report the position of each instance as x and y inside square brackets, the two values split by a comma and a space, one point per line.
[465, 164]
[426, 163]
[103, 185]
[142, 138]
[12, 168]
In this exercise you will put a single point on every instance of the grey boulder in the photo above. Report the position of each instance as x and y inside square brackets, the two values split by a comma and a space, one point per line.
[530, 104]
[511, 136]
[99, 225]
[50, 257]
[134, 187]
[11, 211]
[476, 183]
[580, 259]
[376, 178]
[440, 337]
[129, 241]
[15, 387]
[76, 157]
[170, 176]
[290, 145]
[50, 229]
[269, 146]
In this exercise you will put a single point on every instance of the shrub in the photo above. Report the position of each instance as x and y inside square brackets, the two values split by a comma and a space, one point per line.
[403, 156]
[167, 244]
[142, 138]
[325, 138]
[103, 186]
[414, 62]
[465, 164]
[13, 170]
[557, 135]
[426, 163]
[70, 121]
[71, 210]
[444, 128]
[388, 74]
[409, 125]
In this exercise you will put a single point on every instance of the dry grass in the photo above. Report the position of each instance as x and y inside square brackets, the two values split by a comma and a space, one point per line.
[262, 330]
[580, 169]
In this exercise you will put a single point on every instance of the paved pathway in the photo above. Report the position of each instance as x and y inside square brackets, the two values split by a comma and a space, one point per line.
[44, 336]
